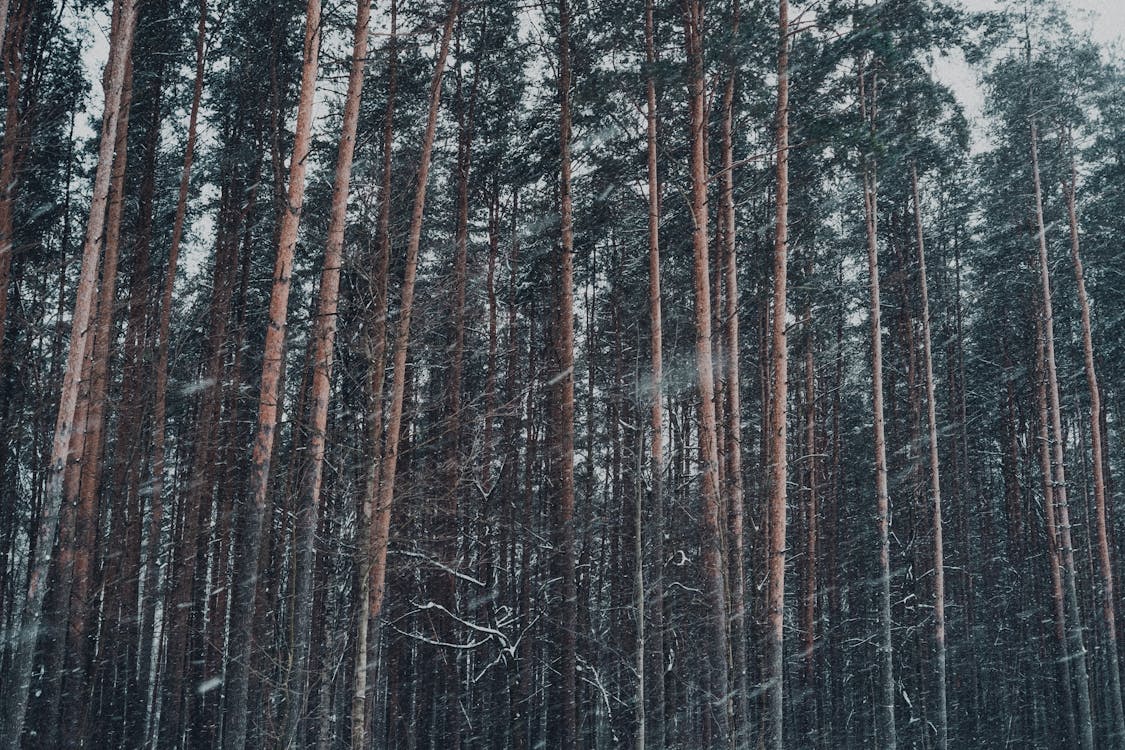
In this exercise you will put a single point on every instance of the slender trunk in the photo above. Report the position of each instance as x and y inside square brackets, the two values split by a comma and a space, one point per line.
[1054, 556]
[935, 476]
[18, 679]
[712, 534]
[1105, 563]
[812, 511]
[886, 683]
[656, 498]
[9, 153]
[324, 336]
[128, 642]
[562, 396]
[1077, 648]
[158, 553]
[376, 376]
[246, 564]
[86, 515]
[779, 353]
[733, 422]
[380, 533]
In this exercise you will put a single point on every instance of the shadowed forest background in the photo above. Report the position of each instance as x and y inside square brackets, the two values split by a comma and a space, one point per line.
[510, 374]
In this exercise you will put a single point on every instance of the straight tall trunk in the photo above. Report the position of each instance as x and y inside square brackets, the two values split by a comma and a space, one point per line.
[18, 680]
[1105, 563]
[160, 375]
[14, 31]
[885, 710]
[655, 639]
[732, 458]
[1054, 556]
[376, 377]
[1077, 648]
[86, 514]
[935, 476]
[273, 363]
[380, 533]
[324, 338]
[808, 626]
[562, 396]
[712, 535]
[779, 353]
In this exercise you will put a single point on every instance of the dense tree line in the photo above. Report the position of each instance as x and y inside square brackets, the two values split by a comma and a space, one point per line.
[491, 374]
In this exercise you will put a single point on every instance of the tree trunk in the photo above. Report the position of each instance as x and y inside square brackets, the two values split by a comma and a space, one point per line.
[324, 337]
[779, 353]
[18, 680]
[886, 690]
[380, 533]
[714, 584]
[376, 377]
[12, 64]
[1077, 649]
[273, 363]
[655, 638]
[562, 398]
[733, 422]
[20, 676]
[935, 476]
[1105, 563]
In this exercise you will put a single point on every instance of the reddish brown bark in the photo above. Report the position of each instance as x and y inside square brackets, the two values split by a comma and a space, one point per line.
[273, 363]
[377, 343]
[714, 583]
[655, 639]
[1077, 648]
[324, 338]
[18, 681]
[1105, 563]
[380, 532]
[779, 475]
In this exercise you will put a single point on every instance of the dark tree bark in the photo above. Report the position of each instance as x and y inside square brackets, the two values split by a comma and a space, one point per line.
[562, 406]
[376, 377]
[935, 477]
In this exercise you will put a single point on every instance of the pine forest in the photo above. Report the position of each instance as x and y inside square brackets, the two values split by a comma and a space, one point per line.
[562, 374]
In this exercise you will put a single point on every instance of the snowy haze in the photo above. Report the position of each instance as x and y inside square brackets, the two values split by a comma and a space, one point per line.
[1103, 20]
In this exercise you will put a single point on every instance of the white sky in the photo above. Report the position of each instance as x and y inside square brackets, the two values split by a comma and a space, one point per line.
[1104, 20]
